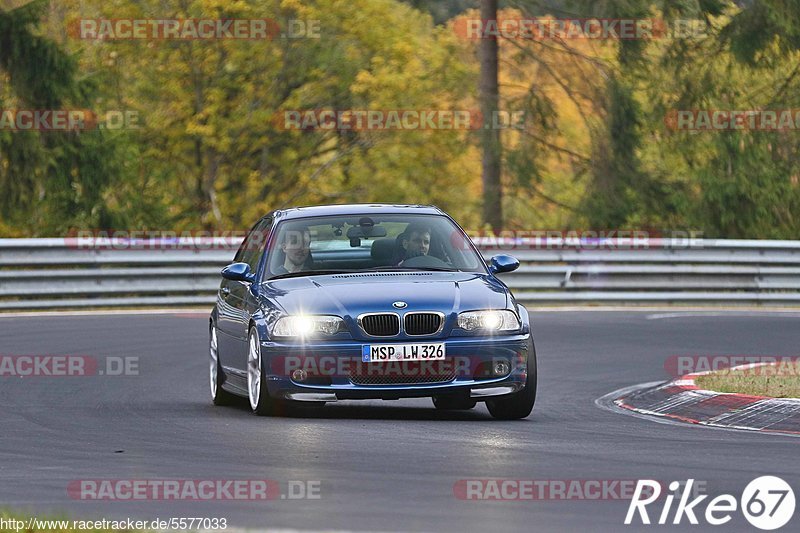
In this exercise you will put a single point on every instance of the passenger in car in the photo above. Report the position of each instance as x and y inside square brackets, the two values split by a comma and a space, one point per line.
[296, 246]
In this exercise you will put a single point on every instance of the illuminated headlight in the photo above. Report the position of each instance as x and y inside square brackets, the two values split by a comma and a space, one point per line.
[501, 320]
[307, 326]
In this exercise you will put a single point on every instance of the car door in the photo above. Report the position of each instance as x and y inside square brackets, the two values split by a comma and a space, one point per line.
[237, 300]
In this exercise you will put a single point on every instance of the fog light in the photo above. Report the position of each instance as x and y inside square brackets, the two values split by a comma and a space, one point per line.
[501, 368]
[299, 375]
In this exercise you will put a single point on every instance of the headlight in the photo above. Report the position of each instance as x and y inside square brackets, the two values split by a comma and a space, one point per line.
[500, 320]
[307, 326]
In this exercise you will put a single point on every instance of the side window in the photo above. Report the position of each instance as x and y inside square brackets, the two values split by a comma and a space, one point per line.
[252, 248]
[245, 244]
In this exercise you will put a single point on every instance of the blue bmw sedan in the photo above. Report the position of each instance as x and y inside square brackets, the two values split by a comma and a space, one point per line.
[347, 302]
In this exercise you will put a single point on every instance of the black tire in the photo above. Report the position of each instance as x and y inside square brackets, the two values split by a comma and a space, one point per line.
[520, 404]
[219, 396]
[453, 403]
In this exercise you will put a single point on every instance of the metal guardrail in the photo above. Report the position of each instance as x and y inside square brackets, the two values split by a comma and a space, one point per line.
[66, 273]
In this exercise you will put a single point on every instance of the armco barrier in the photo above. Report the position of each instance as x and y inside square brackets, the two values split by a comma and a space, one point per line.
[64, 273]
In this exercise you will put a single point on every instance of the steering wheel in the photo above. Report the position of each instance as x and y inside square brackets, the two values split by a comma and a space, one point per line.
[425, 261]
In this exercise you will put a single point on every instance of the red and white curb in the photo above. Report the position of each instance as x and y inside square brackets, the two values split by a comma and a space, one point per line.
[683, 401]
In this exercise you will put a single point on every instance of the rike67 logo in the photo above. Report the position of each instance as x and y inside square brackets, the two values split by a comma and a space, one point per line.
[767, 503]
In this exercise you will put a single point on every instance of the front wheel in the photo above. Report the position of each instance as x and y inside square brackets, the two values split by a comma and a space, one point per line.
[260, 401]
[520, 404]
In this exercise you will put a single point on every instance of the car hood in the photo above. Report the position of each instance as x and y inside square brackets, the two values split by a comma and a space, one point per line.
[354, 294]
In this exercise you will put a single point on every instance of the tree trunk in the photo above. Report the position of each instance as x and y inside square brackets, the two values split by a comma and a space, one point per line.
[490, 136]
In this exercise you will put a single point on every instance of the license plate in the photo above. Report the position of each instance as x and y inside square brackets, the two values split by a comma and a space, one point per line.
[372, 353]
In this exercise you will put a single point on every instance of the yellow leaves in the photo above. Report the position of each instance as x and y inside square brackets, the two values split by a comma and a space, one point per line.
[299, 8]
[364, 80]
[202, 130]
[403, 50]
[227, 8]
[217, 98]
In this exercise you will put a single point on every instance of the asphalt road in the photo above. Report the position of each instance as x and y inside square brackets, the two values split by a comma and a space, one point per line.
[380, 465]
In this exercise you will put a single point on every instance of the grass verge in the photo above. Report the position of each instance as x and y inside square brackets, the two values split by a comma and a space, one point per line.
[776, 381]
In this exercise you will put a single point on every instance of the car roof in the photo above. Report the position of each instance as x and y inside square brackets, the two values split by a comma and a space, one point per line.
[355, 209]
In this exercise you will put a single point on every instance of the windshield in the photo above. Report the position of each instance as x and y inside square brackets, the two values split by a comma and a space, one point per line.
[324, 245]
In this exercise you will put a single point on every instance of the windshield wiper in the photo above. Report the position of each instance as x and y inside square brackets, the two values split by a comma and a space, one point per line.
[303, 273]
[404, 268]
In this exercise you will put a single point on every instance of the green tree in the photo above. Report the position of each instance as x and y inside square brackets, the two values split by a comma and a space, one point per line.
[53, 180]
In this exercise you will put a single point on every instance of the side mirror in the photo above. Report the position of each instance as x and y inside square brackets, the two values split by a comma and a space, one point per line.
[503, 263]
[238, 272]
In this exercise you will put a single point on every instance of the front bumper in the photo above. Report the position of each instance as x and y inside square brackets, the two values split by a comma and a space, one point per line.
[330, 369]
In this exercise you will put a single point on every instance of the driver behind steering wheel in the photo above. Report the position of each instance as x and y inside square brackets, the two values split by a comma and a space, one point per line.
[416, 241]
